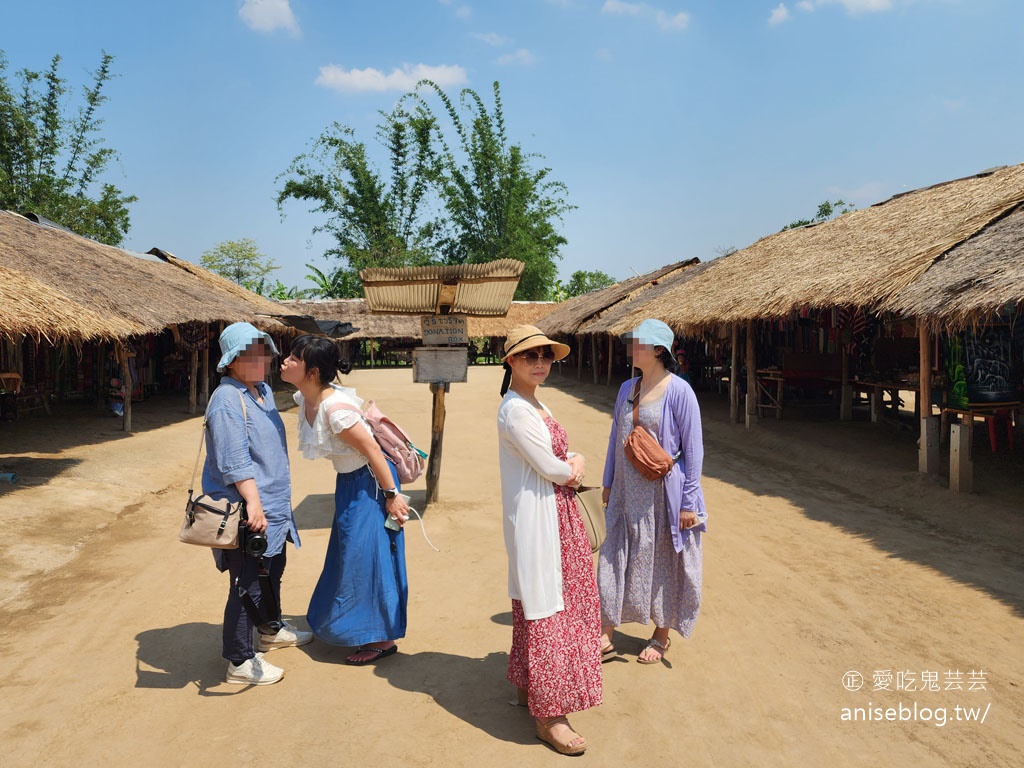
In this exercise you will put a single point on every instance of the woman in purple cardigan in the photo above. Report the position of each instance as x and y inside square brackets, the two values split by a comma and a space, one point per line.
[650, 564]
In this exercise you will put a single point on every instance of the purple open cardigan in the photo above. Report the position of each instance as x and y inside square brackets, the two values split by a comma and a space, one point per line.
[681, 434]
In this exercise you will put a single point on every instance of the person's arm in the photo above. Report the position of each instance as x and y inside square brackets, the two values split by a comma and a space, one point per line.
[531, 438]
[256, 521]
[688, 422]
[230, 454]
[357, 437]
[609, 458]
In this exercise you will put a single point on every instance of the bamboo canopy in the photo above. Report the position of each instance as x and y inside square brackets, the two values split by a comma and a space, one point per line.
[397, 327]
[973, 280]
[571, 316]
[109, 292]
[468, 289]
[863, 258]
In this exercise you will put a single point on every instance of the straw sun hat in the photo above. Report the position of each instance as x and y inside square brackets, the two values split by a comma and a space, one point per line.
[523, 337]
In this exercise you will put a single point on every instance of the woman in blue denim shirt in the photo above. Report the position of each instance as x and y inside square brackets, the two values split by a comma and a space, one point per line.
[247, 458]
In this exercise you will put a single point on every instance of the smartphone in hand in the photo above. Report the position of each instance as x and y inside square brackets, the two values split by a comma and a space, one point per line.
[390, 522]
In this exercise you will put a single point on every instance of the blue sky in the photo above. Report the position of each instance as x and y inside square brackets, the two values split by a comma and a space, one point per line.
[680, 127]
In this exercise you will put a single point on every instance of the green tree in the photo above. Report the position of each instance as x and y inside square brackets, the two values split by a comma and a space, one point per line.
[826, 210]
[498, 205]
[51, 162]
[342, 282]
[581, 282]
[375, 222]
[241, 262]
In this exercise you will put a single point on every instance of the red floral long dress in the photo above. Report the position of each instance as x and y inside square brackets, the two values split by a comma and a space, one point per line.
[558, 659]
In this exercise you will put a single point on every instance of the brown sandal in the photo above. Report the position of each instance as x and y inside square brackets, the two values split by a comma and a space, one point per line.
[568, 748]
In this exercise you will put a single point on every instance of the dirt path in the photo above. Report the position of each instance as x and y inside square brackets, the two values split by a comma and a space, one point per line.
[827, 554]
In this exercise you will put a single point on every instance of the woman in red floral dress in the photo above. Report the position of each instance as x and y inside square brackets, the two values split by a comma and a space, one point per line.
[555, 660]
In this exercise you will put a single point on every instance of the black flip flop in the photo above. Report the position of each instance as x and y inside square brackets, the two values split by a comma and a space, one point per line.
[381, 654]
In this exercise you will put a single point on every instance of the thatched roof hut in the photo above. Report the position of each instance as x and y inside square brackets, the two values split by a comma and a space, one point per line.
[130, 293]
[405, 327]
[972, 281]
[572, 315]
[863, 258]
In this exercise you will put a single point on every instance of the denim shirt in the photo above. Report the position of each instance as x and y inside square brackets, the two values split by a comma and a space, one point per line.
[253, 445]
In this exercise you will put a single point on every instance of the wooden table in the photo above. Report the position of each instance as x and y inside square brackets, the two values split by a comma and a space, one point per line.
[991, 413]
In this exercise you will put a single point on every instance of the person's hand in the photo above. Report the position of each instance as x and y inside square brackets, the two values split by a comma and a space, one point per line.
[606, 493]
[397, 509]
[256, 521]
[687, 519]
[579, 466]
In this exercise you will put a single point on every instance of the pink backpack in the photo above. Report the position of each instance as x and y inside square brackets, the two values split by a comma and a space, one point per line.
[396, 445]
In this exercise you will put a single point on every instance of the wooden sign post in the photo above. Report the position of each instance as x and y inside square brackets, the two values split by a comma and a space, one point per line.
[443, 359]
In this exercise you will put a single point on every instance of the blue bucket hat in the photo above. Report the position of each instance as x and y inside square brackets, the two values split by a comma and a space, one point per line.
[234, 340]
[653, 333]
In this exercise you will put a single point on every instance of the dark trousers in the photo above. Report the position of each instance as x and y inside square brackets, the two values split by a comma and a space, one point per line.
[244, 572]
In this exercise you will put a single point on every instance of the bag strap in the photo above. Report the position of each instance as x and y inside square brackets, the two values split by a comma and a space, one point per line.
[202, 440]
[636, 405]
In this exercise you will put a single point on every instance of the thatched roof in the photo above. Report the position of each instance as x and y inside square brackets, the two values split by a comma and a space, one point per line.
[117, 293]
[973, 280]
[467, 289]
[398, 327]
[31, 308]
[570, 316]
[863, 258]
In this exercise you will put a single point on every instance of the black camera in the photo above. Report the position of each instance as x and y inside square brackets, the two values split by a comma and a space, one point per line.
[253, 543]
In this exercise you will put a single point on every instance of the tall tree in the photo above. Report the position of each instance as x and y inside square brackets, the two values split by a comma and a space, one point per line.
[375, 221]
[51, 162]
[582, 281]
[498, 205]
[241, 262]
[342, 282]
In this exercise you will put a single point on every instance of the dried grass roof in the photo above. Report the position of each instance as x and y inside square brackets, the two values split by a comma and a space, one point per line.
[468, 289]
[129, 293]
[405, 327]
[863, 258]
[973, 280]
[570, 316]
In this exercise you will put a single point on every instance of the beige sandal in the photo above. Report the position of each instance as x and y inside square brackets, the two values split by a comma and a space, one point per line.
[662, 650]
[575, 746]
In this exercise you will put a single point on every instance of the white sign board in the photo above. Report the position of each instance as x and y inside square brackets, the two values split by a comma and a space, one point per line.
[434, 365]
[444, 330]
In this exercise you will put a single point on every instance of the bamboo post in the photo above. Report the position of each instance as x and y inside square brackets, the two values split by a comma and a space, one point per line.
[611, 359]
[593, 356]
[579, 357]
[751, 376]
[193, 371]
[734, 372]
[436, 440]
[126, 385]
[931, 433]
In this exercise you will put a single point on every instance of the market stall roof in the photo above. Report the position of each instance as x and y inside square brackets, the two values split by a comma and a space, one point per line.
[863, 258]
[572, 315]
[466, 289]
[130, 293]
[973, 280]
[399, 327]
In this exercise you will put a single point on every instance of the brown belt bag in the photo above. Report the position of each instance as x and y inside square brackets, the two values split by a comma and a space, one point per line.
[643, 450]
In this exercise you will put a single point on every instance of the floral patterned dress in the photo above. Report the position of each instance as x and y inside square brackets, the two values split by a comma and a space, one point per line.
[558, 659]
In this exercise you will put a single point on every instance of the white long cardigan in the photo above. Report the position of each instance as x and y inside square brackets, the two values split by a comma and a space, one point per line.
[528, 469]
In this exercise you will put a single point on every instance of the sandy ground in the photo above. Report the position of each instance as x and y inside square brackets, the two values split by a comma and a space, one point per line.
[827, 554]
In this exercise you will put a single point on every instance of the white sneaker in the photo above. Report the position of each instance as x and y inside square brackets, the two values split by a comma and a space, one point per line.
[285, 637]
[254, 671]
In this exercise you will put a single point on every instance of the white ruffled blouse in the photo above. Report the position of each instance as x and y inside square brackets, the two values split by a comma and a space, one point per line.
[320, 439]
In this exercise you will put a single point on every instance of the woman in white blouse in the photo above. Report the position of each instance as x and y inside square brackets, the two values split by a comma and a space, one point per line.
[361, 597]
[555, 661]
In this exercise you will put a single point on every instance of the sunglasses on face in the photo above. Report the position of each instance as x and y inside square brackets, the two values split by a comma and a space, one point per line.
[532, 357]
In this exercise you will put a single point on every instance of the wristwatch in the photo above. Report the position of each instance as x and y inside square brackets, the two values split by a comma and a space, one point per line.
[390, 494]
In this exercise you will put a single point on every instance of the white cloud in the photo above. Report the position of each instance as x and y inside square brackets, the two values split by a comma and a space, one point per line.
[676, 21]
[667, 21]
[851, 6]
[521, 57]
[616, 6]
[268, 15]
[779, 14]
[492, 38]
[404, 79]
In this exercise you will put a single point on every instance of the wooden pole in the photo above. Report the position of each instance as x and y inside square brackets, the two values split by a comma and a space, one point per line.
[126, 384]
[846, 404]
[193, 372]
[751, 376]
[734, 373]
[925, 368]
[593, 355]
[579, 358]
[611, 359]
[205, 363]
[931, 432]
[436, 441]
